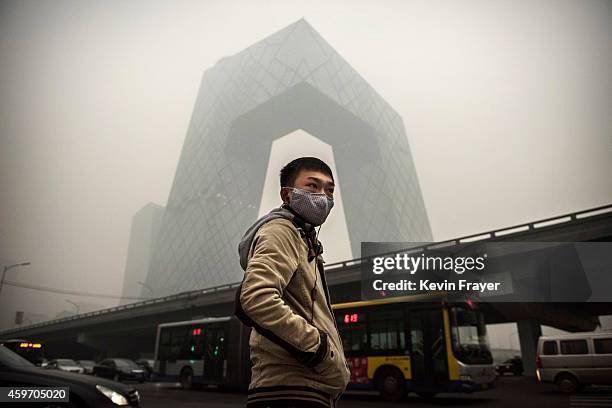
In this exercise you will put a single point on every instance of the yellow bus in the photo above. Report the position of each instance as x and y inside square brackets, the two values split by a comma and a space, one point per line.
[396, 345]
[420, 344]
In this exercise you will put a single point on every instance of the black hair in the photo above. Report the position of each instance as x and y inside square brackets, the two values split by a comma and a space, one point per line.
[289, 173]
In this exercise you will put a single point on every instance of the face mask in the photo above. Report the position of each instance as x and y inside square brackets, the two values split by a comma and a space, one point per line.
[313, 207]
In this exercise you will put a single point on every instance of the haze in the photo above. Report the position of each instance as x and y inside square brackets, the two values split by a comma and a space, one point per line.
[507, 107]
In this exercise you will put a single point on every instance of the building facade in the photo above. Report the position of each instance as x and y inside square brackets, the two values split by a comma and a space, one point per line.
[143, 233]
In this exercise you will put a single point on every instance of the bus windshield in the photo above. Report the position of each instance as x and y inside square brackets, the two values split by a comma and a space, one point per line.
[469, 336]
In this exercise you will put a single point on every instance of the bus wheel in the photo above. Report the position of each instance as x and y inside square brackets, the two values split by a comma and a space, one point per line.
[391, 384]
[186, 378]
[567, 383]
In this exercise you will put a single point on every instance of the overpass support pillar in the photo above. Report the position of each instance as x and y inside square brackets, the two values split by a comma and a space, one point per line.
[529, 331]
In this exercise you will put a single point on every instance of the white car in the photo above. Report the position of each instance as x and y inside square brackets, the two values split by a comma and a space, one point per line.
[65, 364]
[87, 365]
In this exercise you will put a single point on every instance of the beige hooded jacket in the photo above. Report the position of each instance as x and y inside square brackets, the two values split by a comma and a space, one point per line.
[296, 350]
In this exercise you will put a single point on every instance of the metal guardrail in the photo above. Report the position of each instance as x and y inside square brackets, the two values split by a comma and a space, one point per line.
[498, 233]
[507, 231]
[189, 294]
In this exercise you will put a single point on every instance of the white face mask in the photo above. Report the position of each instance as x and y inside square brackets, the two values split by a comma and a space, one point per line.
[313, 207]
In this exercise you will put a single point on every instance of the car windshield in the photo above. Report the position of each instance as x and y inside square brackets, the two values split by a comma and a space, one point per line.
[9, 358]
[469, 333]
[126, 363]
[66, 362]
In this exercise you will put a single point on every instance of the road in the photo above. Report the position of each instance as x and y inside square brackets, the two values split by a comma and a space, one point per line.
[523, 392]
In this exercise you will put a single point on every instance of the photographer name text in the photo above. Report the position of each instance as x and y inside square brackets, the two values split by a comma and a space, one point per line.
[425, 284]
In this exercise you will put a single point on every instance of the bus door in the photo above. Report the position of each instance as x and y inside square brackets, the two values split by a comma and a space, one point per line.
[428, 351]
[214, 354]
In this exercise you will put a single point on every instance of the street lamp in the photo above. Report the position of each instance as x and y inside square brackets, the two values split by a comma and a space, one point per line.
[144, 285]
[6, 268]
[74, 304]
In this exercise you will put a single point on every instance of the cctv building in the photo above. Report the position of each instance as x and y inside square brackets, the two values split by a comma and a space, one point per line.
[291, 80]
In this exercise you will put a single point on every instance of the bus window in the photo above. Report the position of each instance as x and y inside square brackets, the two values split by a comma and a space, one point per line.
[219, 349]
[427, 349]
[214, 353]
[417, 347]
[178, 344]
[195, 342]
[352, 327]
[469, 336]
[164, 344]
[387, 330]
[211, 343]
[437, 346]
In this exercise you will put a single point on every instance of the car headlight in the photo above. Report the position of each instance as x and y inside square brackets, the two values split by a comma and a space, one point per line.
[114, 396]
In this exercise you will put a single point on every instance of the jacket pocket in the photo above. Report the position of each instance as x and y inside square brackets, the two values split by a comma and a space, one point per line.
[333, 369]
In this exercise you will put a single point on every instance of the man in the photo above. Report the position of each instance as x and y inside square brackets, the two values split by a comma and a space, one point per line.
[296, 351]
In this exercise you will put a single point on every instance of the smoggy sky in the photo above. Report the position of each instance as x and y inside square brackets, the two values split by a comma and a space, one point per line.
[507, 107]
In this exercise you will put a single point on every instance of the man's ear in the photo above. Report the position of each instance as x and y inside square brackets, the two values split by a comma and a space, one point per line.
[284, 195]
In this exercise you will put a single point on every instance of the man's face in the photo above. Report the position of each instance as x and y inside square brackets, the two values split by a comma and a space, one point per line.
[312, 181]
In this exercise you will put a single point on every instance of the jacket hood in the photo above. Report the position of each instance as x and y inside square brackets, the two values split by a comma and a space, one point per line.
[244, 246]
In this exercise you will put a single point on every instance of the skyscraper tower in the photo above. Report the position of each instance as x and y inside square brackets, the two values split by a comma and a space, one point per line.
[143, 234]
